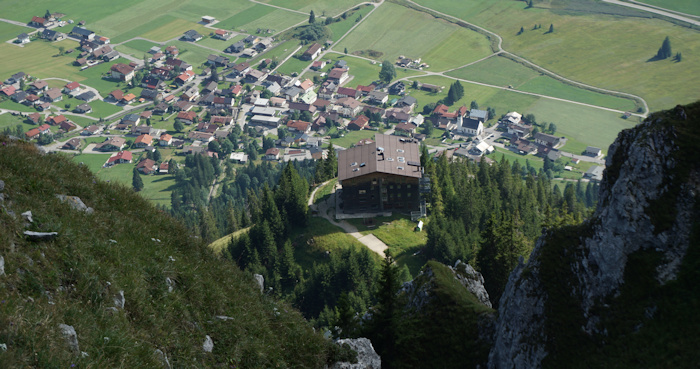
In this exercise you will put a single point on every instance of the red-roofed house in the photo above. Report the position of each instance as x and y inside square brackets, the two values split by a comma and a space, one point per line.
[164, 168]
[120, 158]
[185, 77]
[272, 154]
[222, 34]
[348, 92]
[122, 72]
[8, 90]
[299, 126]
[44, 128]
[358, 123]
[165, 140]
[71, 87]
[187, 117]
[143, 140]
[37, 21]
[116, 95]
[32, 133]
[306, 85]
[34, 118]
[55, 120]
[146, 166]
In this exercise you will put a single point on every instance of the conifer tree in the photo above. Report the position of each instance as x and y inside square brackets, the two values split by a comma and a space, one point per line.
[136, 181]
[551, 28]
[665, 49]
[312, 17]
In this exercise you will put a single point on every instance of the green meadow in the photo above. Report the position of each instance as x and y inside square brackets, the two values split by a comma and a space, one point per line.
[691, 7]
[504, 72]
[606, 51]
[9, 31]
[320, 7]
[393, 30]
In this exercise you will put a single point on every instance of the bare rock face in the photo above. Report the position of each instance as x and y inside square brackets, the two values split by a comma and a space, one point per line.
[641, 169]
[76, 203]
[119, 300]
[208, 345]
[367, 358]
[40, 236]
[472, 280]
[71, 338]
[419, 289]
[261, 281]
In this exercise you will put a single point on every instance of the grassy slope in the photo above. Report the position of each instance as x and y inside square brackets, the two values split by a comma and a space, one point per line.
[395, 30]
[505, 72]
[329, 7]
[82, 270]
[447, 325]
[601, 50]
[686, 6]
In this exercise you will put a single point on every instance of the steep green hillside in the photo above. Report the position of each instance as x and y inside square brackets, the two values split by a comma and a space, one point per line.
[176, 291]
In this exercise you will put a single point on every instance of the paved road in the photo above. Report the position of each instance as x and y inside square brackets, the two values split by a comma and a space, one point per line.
[656, 10]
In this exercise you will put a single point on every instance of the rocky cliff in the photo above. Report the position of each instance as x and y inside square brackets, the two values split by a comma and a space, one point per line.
[586, 289]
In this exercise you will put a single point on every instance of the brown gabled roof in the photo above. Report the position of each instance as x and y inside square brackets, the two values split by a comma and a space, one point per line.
[117, 94]
[382, 156]
[359, 122]
[312, 49]
[336, 73]
[144, 138]
[186, 115]
[72, 85]
[299, 125]
[122, 68]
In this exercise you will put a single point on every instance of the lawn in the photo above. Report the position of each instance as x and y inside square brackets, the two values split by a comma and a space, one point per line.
[11, 121]
[157, 188]
[11, 105]
[510, 156]
[586, 125]
[504, 72]
[352, 137]
[39, 59]
[293, 64]
[324, 192]
[191, 53]
[364, 72]
[218, 44]
[9, 31]
[140, 45]
[685, 6]
[338, 29]
[278, 52]
[219, 245]
[311, 243]
[170, 28]
[262, 17]
[100, 109]
[320, 7]
[393, 30]
[606, 51]
[246, 16]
